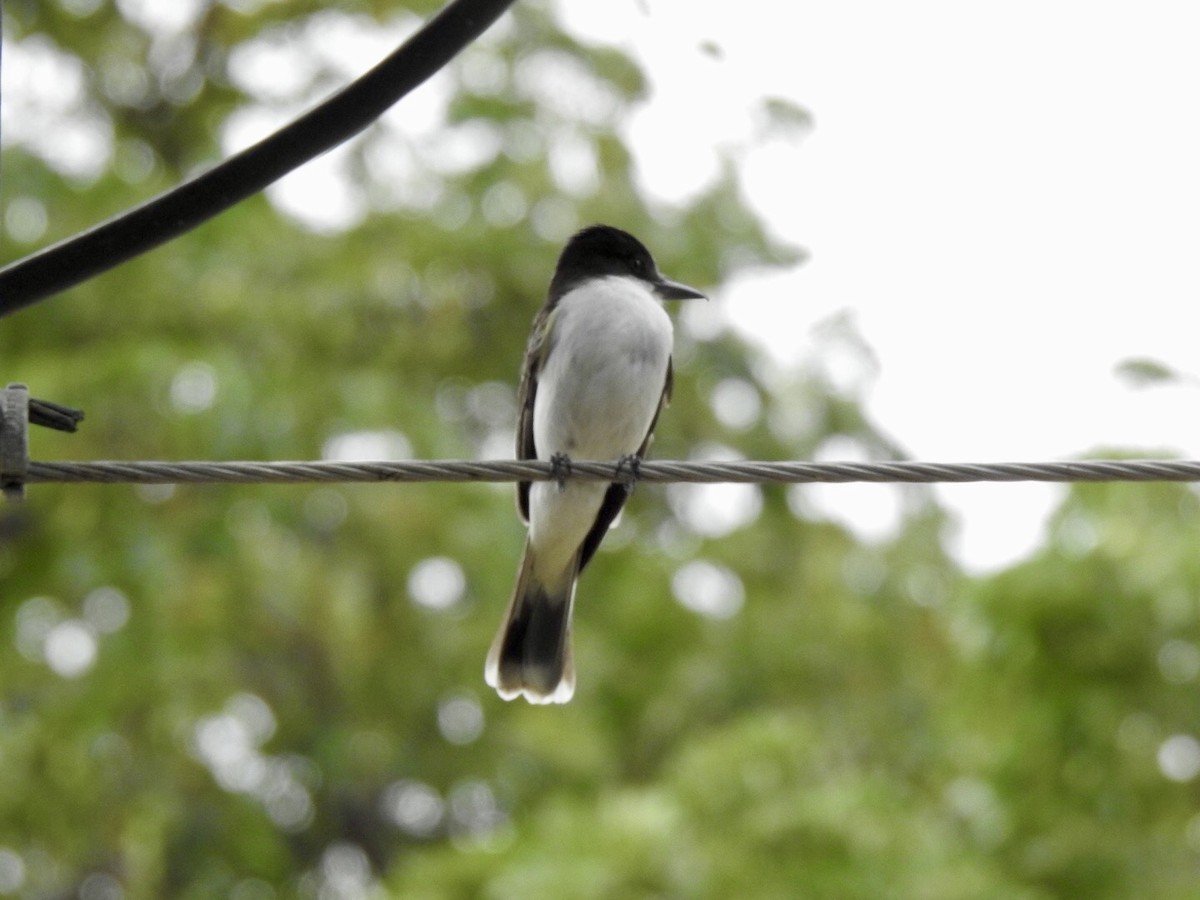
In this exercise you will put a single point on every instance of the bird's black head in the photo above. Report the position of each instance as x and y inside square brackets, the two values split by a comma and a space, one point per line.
[601, 250]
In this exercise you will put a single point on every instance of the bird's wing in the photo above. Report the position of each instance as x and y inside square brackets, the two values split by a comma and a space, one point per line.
[618, 492]
[663, 401]
[535, 358]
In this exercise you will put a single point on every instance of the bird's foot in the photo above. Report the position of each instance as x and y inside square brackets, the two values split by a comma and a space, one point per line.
[631, 463]
[560, 469]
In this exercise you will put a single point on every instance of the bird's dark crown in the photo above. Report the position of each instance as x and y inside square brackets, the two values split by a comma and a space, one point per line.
[602, 250]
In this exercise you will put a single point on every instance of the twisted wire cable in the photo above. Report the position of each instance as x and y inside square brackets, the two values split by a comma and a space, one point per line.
[741, 472]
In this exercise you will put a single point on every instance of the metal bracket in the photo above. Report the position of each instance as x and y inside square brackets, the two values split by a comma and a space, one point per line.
[14, 440]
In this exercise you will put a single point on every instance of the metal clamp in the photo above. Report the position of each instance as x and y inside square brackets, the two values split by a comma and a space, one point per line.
[14, 440]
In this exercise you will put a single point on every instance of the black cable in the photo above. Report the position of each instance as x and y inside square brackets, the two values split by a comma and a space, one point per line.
[182, 208]
[49, 414]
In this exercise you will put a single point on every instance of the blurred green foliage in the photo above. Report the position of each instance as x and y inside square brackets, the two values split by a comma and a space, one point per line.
[256, 692]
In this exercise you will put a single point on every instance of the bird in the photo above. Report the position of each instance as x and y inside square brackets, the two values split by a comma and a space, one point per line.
[596, 374]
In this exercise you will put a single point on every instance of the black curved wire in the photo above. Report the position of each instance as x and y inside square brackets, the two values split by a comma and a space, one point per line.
[182, 208]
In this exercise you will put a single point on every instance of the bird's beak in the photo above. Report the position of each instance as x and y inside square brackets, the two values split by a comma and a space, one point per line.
[673, 290]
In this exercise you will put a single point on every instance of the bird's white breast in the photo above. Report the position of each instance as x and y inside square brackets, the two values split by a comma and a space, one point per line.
[604, 373]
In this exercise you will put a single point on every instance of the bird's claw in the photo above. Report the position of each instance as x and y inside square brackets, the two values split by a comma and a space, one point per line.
[631, 463]
[560, 469]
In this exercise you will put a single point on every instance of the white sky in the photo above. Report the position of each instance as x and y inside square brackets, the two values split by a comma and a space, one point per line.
[1006, 196]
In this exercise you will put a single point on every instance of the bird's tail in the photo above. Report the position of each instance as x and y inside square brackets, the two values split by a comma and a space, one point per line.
[531, 654]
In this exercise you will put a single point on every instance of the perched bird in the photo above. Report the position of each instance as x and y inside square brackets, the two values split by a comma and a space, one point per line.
[597, 372]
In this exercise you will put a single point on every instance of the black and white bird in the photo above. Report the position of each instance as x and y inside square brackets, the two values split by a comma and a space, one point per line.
[597, 372]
